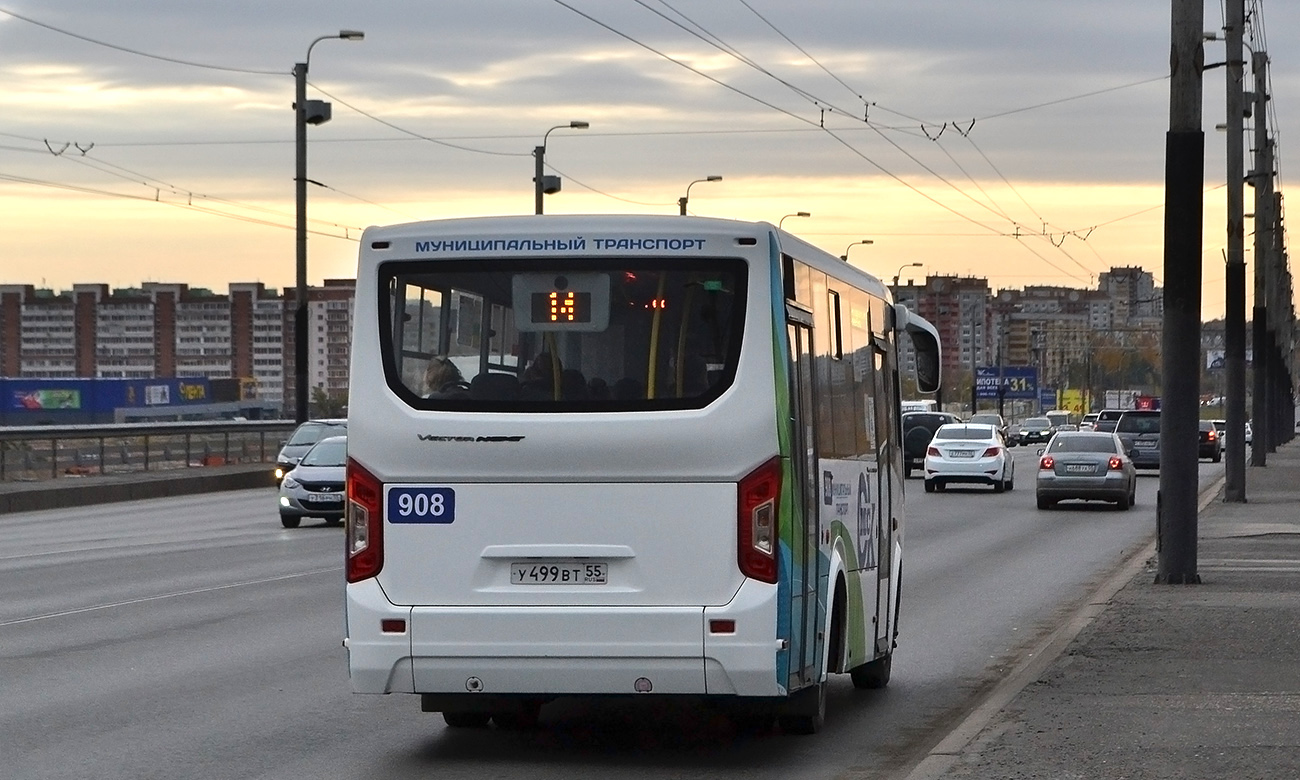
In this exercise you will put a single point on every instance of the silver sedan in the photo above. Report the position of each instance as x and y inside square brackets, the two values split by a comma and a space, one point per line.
[1087, 465]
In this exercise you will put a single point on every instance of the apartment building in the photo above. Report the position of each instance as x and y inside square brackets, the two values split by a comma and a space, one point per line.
[162, 330]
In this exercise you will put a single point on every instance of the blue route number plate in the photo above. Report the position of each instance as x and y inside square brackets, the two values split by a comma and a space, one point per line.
[421, 505]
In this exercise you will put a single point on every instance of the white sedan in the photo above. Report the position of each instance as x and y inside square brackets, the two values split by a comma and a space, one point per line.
[968, 453]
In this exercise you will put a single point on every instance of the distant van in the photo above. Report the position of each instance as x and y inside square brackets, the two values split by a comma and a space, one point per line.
[917, 406]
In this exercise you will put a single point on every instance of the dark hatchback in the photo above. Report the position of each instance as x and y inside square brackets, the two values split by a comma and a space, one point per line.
[1209, 446]
[918, 430]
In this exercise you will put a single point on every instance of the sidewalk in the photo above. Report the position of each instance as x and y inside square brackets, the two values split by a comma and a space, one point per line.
[67, 491]
[1181, 681]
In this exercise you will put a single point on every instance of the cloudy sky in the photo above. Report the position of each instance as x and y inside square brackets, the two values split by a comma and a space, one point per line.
[1022, 141]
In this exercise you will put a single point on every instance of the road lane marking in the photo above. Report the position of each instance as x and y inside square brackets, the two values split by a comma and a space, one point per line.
[130, 602]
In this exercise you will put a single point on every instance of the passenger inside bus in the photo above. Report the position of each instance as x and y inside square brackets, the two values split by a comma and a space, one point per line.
[443, 380]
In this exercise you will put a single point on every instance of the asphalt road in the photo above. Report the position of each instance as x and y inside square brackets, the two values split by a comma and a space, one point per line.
[196, 638]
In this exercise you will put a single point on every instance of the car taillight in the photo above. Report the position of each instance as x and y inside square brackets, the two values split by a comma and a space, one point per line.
[992, 452]
[757, 497]
[365, 524]
[932, 451]
[1047, 462]
[1115, 464]
[1213, 435]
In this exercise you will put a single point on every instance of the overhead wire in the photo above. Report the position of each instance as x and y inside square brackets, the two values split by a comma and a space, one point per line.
[139, 53]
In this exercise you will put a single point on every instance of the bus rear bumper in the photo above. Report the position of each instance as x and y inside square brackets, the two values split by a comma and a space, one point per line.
[546, 651]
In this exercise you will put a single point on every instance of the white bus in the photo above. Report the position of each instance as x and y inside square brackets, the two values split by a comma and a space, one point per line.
[665, 461]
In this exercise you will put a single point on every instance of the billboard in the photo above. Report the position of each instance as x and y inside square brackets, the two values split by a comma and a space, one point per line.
[1019, 382]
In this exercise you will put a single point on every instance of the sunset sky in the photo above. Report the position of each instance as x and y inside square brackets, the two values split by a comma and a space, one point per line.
[1022, 141]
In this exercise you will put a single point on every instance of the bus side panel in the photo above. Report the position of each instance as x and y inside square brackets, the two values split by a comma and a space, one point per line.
[791, 530]
[849, 510]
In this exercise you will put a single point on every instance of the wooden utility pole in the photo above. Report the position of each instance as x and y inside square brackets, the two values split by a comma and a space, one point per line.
[1181, 341]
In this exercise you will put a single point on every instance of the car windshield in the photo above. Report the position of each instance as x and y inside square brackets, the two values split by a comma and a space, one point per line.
[1083, 444]
[330, 452]
[977, 432]
[310, 433]
[576, 334]
[986, 419]
[1138, 423]
[1036, 424]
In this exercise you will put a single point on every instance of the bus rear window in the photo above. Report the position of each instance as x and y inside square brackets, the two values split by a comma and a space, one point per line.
[555, 335]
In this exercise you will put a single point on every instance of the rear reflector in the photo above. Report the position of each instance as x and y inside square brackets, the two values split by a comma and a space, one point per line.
[722, 626]
[392, 626]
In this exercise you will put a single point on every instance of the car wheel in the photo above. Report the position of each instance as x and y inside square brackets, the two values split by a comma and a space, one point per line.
[1044, 503]
[907, 471]
[1218, 456]
[999, 486]
[1122, 504]
[940, 486]
[289, 521]
[929, 486]
[333, 520]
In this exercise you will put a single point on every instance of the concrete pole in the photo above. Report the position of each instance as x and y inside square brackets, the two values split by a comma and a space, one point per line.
[1235, 305]
[1262, 178]
[1181, 340]
[301, 353]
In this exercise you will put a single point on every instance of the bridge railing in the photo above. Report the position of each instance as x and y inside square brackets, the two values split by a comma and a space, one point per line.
[40, 452]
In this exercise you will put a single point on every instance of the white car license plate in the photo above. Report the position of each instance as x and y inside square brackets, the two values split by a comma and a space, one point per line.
[324, 498]
[961, 453]
[559, 573]
[1080, 468]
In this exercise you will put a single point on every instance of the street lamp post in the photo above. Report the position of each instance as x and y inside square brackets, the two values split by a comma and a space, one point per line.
[305, 112]
[681, 202]
[787, 216]
[905, 265]
[543, 184]
[845, 256]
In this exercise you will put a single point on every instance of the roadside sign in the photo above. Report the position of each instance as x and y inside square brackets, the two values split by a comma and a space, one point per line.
[1020, 382]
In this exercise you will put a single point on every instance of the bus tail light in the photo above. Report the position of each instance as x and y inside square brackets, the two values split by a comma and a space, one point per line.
[1047, 463]
[365, 524]
[756, 521]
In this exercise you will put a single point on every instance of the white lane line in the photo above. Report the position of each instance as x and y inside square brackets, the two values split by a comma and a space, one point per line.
[177, 594]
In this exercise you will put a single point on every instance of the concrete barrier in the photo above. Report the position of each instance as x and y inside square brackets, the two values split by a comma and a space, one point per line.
[81, 491]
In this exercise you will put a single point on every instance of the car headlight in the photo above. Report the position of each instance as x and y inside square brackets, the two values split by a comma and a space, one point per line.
[291, 483]
[279, 472]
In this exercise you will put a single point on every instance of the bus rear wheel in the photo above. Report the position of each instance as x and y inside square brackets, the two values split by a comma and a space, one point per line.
[872, 675]
[807, 713]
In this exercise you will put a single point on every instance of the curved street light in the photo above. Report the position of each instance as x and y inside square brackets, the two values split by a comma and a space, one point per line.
[681, 202]
[787, 216]
[900, 270]
[305, 112]
[543, 184]
[845, 256]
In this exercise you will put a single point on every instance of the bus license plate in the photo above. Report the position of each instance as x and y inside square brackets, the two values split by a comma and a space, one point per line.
[566, 573]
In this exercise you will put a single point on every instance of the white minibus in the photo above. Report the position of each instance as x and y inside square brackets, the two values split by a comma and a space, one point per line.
[622, 455]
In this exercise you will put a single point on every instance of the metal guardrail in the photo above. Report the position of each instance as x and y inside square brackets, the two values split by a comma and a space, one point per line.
[39, 452]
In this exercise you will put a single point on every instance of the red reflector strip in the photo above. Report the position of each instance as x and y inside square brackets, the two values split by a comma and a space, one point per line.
[392, 626]
[722, 626]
